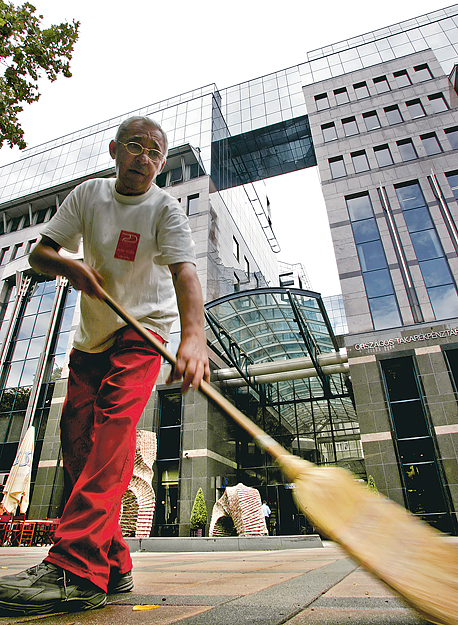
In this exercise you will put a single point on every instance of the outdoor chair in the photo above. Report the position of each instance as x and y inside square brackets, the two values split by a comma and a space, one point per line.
[44, 532]
[21, 531]
[5, 525]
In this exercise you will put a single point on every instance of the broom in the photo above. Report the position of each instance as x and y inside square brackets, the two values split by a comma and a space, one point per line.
[412, 558]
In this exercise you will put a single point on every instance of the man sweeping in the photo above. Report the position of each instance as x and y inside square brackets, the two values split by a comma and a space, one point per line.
[138, 247]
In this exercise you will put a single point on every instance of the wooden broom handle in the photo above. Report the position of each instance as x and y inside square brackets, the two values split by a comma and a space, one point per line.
[262, 439]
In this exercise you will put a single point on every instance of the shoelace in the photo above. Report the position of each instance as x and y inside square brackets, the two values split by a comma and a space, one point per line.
[34, 570]
[64, 578]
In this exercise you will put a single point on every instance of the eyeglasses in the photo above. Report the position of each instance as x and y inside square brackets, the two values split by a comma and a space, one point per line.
[136, 149]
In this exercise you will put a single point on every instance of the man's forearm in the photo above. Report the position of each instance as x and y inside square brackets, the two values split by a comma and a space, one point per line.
[47, 260]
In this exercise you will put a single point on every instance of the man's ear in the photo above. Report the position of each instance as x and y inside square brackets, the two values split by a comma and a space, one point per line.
[162, 167]
[112, 149]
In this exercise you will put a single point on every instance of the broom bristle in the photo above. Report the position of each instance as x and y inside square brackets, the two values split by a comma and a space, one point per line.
[412, 558]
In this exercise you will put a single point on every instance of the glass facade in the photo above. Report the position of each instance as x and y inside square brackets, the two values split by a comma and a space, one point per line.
[169, 453]
[377, 278]
[208, 114]
[336, 312]
[26, 321]
[429, 251]
[433, 30]
[420, 467]
[314, 414]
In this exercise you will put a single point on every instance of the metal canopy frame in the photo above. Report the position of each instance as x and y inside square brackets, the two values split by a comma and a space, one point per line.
[277, 324]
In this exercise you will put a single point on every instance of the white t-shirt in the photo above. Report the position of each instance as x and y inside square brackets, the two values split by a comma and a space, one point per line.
[130, 241]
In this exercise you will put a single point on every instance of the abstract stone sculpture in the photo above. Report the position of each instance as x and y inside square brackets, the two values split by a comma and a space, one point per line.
[139, 500]
[239, 512]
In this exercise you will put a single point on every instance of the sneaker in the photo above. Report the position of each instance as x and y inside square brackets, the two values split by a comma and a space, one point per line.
[120, 583]
[47, 589]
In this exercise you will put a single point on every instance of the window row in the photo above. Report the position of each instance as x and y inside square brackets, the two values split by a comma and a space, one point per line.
[393, 115]
[378, 85]
[192, 204]
[384, 157]
[179, 174]
[26, 220]
[19, 249]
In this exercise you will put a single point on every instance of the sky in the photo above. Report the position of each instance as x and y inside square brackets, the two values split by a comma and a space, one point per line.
[132, 54]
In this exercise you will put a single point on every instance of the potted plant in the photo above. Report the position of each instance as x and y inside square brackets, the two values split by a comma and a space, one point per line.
[371, 486]
[199, 516]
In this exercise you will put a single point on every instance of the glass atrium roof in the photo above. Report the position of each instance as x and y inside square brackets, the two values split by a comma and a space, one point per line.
[275, 324]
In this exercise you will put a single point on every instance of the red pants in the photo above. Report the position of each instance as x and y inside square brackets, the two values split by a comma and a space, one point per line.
[106, 395]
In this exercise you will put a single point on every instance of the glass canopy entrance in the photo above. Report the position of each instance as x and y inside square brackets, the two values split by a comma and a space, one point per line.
[309, 409]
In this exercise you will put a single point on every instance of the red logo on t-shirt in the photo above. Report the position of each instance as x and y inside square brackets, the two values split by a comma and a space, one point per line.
[127, 245]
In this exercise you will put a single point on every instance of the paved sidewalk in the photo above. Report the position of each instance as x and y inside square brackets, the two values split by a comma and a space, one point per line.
[312, 586]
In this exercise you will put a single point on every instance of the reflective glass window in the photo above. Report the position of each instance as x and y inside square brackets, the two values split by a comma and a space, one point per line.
[415, 109]
[361, 90]
[452, 136]
[444, 301]
[20, 349]
[418, 219]
[378, 283]
[438, 103]
[350, 126]
[384, 312]
[393, 115]
[176, 175]
[16, 250]
[30, 244]
[337, 166]
[402, 78]
[410, 196]
[329, 132]
[371, 120]
[436, 272]
[360, 162]
[371, 256]
[453, 182]
[381, 84]
[322, 102]
[426, 244]
[193, 204]
[359, 207]
[452, 361]
[365, 230]
[383, 155]
[422, 72]
[341, 95]
[431, 143]
[407, 149]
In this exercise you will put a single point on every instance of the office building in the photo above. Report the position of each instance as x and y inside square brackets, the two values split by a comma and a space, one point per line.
[378, 115]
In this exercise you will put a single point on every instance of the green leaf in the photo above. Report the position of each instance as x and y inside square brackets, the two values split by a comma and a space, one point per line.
[26, 52]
